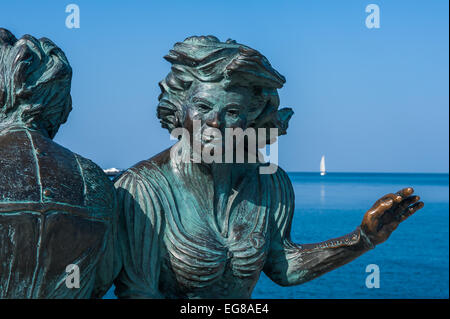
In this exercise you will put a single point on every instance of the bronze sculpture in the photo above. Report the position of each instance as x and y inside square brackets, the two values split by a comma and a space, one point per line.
[56, 208]
[187, 228]
[207, 230]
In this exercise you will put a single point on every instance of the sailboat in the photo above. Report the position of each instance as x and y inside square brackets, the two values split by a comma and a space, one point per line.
[322, 166]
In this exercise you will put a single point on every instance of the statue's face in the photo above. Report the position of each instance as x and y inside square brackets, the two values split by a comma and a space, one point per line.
[216, 107]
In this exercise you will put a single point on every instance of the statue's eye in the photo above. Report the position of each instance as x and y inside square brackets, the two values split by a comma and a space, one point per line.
[203, 107]
[233, 113]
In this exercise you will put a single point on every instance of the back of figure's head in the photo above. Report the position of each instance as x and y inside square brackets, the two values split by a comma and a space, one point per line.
[35, 79]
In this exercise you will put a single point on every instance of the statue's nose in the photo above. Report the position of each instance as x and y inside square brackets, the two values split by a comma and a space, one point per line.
[214, 121]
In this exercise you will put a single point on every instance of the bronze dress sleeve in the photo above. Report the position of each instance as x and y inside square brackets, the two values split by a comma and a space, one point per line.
[139, 236]
[289, 263]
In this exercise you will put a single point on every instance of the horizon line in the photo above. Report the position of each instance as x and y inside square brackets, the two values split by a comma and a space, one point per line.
[333, 172]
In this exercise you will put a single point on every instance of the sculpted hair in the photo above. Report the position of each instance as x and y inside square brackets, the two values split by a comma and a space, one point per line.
[35, 79]
[206, 59]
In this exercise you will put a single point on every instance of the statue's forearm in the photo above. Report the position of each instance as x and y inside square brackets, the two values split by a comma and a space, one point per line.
[294, 264]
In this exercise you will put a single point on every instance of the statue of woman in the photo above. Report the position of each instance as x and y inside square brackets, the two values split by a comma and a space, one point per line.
[193, 229]
[57, 209]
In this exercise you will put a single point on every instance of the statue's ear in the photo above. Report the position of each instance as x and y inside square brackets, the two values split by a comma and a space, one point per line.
[272, 118]
[283, 117]
[278, 119]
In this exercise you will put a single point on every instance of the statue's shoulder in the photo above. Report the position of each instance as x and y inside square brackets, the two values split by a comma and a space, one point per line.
[281, 173]
[152, 170]
[282, 191]
[279, 179]
[94, 176]
[29, 158]
[98, 190]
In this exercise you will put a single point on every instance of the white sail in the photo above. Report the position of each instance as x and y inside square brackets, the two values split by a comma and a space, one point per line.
[322, 166]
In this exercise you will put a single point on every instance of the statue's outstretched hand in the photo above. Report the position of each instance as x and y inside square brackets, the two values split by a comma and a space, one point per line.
[387, 213]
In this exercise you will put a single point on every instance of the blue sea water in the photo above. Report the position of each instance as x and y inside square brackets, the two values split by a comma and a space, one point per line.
[413, 263]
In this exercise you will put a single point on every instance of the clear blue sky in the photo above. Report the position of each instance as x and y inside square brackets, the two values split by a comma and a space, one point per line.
[372, 100]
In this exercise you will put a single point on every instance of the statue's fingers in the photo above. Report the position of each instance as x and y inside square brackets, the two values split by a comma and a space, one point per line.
[411, 210]
[385, 198]
[381, 206]
[407, 202]
[405, 192]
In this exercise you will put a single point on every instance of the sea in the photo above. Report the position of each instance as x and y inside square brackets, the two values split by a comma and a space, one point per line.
[412, 263]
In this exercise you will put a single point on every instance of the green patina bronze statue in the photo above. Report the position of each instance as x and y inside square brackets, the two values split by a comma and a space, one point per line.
[197, 229]
[193, 222]
[57, 209]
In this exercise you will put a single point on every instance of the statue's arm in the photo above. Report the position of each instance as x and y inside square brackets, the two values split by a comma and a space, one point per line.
[111, 261]
[291, 264]
[100, 193]
[139, 238]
